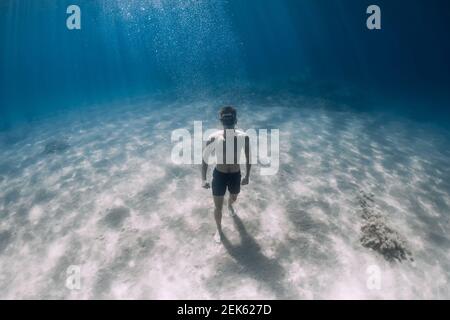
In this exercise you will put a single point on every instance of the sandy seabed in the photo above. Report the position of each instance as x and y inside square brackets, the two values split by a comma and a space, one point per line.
[97, 189]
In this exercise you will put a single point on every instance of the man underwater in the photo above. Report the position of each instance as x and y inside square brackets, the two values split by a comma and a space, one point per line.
[227, 144]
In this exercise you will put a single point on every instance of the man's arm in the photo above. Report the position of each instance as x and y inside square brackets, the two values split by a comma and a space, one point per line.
[205, 184]
[248, 166]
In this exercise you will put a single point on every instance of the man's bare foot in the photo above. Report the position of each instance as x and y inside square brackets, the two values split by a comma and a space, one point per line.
[231, 210]
[217, 237]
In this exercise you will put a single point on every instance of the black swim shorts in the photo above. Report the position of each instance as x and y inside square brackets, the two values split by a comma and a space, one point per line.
[221, 181]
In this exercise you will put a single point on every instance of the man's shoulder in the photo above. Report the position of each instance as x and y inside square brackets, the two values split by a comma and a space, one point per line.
[241, 133]
[219, 134]
[215, 135]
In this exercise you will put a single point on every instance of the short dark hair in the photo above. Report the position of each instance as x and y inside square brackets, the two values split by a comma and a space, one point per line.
[227, 112]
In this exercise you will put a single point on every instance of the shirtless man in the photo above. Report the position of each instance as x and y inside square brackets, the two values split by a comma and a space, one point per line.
[227, 173]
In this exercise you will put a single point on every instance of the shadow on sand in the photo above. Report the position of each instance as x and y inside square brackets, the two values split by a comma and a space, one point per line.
[248, 254]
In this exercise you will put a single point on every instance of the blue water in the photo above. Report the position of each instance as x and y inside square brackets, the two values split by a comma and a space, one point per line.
[86, 118]
[140, 47]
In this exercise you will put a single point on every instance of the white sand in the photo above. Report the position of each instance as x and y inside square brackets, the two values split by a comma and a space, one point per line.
[140, 227]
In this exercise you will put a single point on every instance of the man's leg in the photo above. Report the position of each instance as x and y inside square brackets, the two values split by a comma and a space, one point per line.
[219, 187]
[234, 187]
[232, 199]
[218, 204]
